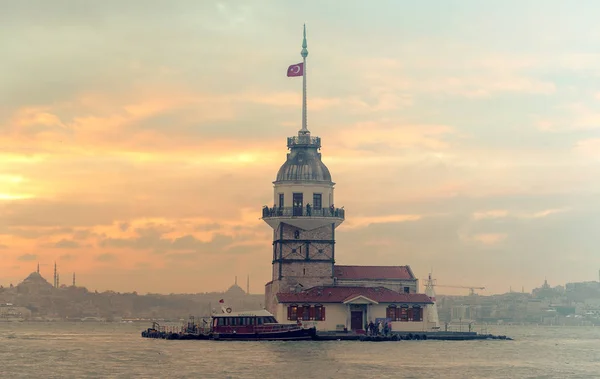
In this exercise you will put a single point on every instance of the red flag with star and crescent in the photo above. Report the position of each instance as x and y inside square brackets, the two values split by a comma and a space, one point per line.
[296, 70]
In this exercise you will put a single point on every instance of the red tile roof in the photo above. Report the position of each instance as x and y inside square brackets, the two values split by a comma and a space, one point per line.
[373, 272]
[342, 294]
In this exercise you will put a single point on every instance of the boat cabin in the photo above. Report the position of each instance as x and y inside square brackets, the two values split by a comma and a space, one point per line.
[242, 320]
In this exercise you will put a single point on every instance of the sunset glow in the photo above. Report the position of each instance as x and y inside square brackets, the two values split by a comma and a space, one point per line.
[138, 152]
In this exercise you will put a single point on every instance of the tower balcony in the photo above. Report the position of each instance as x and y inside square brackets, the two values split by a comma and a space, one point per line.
[304, 141]
[305, 218]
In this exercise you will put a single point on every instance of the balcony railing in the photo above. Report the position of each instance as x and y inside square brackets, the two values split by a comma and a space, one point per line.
[304, 141]
[303, 212]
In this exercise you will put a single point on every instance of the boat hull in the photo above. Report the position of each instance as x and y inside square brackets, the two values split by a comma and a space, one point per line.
[282, 335]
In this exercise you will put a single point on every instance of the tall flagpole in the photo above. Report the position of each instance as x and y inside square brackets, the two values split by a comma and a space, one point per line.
[304, 53]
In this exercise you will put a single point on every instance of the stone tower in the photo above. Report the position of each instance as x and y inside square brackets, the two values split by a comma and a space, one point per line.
[303, 216]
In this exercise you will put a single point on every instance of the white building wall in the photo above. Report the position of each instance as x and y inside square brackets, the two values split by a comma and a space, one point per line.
[307, 189]
[338, 314]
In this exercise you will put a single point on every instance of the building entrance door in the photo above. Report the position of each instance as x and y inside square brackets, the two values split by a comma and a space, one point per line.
[297, 203]
[356, 320]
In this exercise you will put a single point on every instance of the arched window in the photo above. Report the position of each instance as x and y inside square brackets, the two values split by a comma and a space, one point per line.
[306, 312]
[293, 312]
[319, 312]
[417, 313]
[390, 312]
[403, 312]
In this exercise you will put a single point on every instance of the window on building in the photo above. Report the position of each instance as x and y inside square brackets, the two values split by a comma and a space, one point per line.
[319, 313]
[417, 313]
[306, 312]
[391, 312]
[280, 200]
[317, 201]
[403, 313]
[406, 289]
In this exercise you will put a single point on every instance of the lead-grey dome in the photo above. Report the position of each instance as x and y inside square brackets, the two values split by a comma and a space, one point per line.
[304, 164]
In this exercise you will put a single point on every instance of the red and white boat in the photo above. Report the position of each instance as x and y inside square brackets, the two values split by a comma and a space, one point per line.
[256, 325]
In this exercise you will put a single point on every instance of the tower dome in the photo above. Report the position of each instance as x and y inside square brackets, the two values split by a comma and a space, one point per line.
[303, 162]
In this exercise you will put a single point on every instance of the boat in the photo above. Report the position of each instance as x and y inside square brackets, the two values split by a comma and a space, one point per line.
[256, 325]
[234, 326]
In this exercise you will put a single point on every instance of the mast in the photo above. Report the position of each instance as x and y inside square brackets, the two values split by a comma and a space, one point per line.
[304, 54]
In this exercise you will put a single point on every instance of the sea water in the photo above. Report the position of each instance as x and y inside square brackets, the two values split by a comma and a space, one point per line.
[113, 350]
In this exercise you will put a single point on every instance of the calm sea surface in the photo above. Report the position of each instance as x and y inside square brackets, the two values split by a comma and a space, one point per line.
[96, 350]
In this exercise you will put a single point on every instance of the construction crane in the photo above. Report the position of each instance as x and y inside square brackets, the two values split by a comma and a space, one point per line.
[433, 283]
[471, 289]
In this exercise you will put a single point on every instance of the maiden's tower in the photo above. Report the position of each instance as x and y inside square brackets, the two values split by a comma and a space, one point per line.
[307, 285]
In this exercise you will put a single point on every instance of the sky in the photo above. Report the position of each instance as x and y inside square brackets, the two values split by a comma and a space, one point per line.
[139, 140]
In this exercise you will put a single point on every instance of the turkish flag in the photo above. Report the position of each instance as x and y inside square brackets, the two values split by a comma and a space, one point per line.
[296, 70]
[221, 301]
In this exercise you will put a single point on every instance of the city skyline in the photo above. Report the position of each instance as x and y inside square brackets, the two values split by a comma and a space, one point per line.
[138, 148]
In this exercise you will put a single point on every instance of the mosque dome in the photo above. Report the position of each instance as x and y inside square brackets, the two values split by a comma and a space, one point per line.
[235, 290]
[303, 164]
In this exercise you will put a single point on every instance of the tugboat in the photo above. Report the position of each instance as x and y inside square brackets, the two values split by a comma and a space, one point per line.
[256, 325]
[235, 326]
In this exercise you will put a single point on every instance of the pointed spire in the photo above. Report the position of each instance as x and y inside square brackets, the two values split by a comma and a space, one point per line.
[38, 268]
[73, 279]
[248, 285]
[304, 53]
[236, 280]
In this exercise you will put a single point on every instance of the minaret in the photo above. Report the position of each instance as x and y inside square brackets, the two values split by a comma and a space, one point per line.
[303, 216]
[57, 280]
[73, 279]
[248, 285]
[55, 276]
[38, 268]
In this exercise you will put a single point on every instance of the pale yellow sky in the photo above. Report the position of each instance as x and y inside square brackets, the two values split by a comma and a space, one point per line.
[140, 139]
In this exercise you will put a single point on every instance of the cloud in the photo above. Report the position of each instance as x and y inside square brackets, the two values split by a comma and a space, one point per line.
[361, 222]
[106, 257]
[487, 238]
[68, 257]
[66, 244]
[27, 257]
[572, 117]
[588, 148]
[472, 152]
[494, 214]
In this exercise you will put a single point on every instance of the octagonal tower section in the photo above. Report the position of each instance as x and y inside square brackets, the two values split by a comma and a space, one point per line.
[304, 218]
